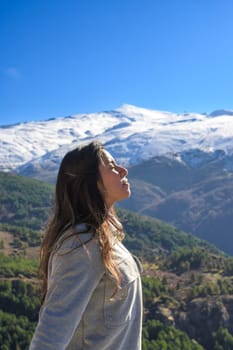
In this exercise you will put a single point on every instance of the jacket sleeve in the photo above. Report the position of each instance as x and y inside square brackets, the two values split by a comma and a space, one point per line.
[74, 276]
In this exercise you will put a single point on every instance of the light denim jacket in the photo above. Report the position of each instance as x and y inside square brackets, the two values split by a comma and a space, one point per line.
[79, 312]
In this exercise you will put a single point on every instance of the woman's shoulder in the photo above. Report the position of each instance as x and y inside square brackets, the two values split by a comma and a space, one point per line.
[78, 250]
[78, 236]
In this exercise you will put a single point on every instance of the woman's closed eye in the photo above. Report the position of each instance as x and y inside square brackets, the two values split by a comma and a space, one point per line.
[114, 169]
[113, 166]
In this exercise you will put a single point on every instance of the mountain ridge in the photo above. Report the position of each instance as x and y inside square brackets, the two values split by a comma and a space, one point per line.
[132, 134]
[197, 200]
[187, 154]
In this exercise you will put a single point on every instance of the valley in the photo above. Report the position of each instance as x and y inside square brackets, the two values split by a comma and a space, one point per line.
[178, 220]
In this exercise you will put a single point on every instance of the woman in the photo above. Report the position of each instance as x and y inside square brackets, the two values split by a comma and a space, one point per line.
[92, 297]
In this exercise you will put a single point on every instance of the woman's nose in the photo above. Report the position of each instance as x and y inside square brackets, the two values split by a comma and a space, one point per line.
[123, 171]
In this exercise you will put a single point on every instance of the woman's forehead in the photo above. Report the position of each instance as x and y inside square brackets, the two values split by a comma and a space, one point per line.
[107, 157]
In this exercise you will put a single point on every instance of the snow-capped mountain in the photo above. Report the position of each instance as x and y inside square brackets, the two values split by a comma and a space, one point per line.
[130, 133]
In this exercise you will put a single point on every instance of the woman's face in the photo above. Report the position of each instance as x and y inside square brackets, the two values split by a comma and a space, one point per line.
[114, 185]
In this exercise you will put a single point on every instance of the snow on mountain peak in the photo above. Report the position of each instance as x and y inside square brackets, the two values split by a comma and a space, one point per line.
[131, 133]
[220, 112]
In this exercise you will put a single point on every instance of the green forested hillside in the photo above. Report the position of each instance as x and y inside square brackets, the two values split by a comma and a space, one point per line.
[187, 283]
[25, 206]
[149, 237]
[24, 202]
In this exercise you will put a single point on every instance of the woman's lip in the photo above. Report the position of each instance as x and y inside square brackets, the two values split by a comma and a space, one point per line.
[125, 183]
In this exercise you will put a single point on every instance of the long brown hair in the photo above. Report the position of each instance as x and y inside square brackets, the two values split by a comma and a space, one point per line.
[78, 200]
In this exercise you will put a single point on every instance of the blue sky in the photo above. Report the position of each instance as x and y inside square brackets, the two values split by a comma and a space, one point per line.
[80, 56]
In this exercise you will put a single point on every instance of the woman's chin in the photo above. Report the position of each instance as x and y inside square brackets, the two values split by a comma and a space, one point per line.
[127, 194]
